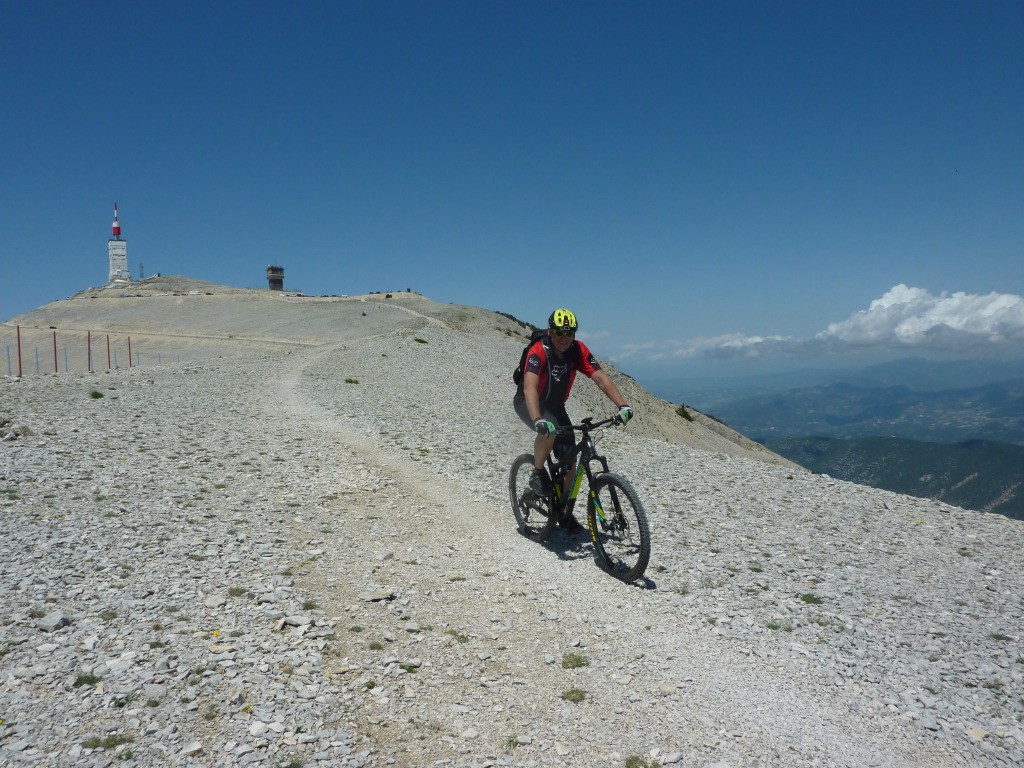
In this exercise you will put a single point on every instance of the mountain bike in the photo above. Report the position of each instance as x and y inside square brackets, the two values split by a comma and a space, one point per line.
[616, 518]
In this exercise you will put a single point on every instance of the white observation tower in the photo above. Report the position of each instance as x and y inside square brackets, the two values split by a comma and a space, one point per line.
[117, 252]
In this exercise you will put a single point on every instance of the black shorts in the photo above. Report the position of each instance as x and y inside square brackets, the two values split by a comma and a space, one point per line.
[552, 412]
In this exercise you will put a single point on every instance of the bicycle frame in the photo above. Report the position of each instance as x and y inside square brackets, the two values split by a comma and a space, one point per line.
[586, 450]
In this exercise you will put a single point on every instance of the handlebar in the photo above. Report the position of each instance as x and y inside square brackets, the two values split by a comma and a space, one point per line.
[588, 425]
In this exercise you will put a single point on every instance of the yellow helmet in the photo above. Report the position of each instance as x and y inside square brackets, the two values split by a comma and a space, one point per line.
[562, 320]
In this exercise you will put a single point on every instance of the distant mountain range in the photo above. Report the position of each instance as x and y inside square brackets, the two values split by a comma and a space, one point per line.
[951, 430]
[934, 375]
[975, 474]
[989, 412]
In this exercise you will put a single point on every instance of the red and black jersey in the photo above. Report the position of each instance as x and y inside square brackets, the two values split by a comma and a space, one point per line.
[558, 374]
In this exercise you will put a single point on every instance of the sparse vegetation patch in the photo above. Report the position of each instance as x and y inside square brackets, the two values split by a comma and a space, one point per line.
[574, 661]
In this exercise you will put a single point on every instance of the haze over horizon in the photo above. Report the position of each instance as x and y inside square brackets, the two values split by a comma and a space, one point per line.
[720, 188]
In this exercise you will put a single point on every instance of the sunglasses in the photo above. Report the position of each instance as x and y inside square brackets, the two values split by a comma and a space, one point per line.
[563, 334]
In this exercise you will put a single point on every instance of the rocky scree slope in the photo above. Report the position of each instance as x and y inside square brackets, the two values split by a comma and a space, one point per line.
[162, 315]
[310, 559]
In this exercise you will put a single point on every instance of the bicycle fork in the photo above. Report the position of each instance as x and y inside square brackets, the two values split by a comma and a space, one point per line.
[599, 514]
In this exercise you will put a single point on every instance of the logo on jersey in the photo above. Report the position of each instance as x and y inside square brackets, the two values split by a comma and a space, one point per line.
[559, 371]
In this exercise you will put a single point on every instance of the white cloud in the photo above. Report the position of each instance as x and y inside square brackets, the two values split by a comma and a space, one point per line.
[593, 336]
[912, 317]
[904, 318]
[728, 345]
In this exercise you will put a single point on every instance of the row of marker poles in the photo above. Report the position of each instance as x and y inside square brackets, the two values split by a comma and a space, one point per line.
[88, 342]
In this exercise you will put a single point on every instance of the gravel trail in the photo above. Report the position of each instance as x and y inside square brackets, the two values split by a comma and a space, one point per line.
[309, 559]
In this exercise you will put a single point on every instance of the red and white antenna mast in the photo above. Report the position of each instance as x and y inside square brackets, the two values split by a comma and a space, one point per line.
[117, 225]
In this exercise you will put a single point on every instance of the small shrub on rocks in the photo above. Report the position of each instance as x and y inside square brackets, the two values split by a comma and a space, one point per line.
[682, 411]
[574, 661]
[575, 695]
[96, 394]
[108, 742]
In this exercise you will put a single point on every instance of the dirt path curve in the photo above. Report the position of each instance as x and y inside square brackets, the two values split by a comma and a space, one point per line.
[467, 643]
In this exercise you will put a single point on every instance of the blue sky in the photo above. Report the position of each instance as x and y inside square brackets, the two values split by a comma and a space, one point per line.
[698, 181]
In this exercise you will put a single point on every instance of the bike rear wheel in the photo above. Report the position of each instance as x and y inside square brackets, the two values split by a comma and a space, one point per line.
[532, 512]
[618, 527]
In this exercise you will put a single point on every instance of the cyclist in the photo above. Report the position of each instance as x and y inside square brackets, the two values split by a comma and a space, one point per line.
[548, 371]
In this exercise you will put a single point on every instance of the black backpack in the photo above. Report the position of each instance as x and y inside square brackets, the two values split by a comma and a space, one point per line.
[517, 374]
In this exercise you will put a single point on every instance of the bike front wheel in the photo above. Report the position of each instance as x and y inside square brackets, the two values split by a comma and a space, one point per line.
[532, 512]
[618, 527]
